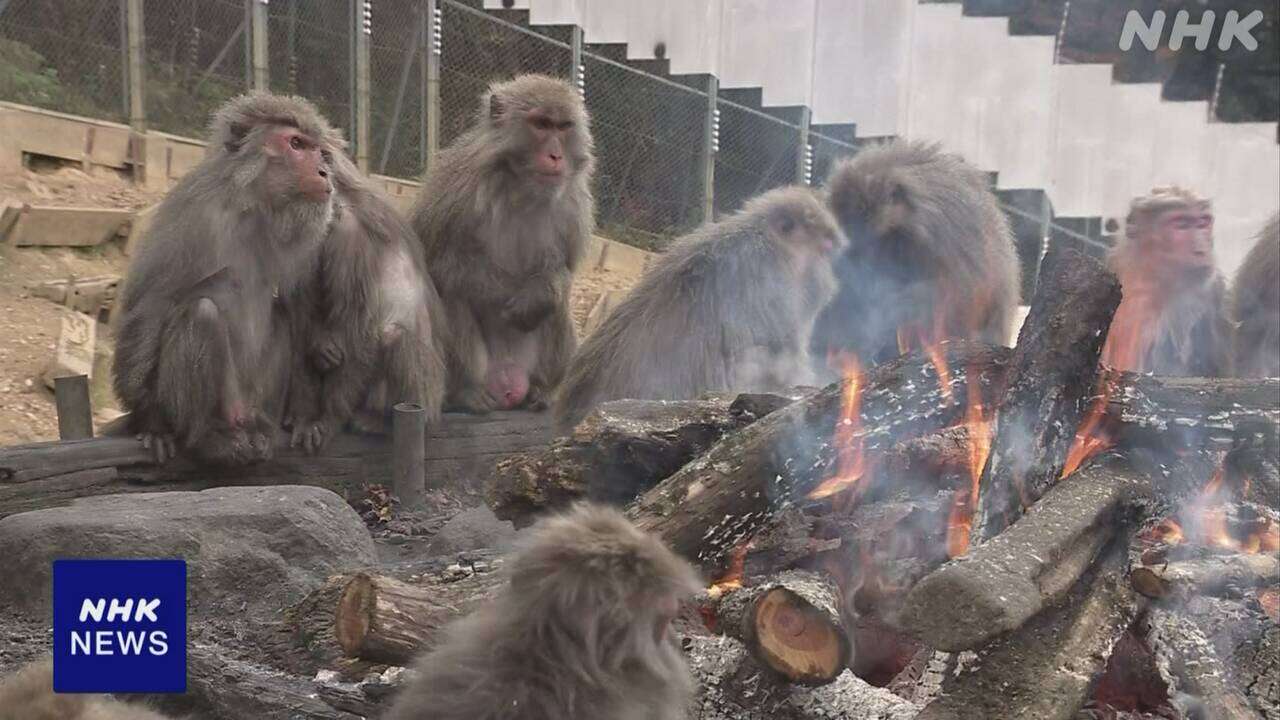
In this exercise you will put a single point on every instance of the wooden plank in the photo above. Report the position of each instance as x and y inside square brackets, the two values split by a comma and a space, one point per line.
[44, 226]
[77, 338]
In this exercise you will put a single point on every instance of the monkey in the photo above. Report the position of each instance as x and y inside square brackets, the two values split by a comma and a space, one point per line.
[728, 307]
[931, 256]
[203, 347]
[1255, 305]
[372, 316]
[581, 629]
[1172, 318]
[28, 695]
[504, 215]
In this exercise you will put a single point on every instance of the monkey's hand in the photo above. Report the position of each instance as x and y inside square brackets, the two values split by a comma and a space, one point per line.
[536, 399]
[327, 354]
[310, 435]
[475, 400]
[163, 446]
[528, 308]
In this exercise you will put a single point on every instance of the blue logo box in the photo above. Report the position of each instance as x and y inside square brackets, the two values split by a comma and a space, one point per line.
[120, 626]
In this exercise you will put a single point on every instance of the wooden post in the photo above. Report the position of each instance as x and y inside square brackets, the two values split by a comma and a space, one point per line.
[408, 454]
[258, 45]
[134, 48]
[710, 147]
[431, 82]
[75, 415]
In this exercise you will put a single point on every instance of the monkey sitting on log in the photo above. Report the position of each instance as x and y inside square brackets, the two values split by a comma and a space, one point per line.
[1172, 318]
[505, 214]
[203, 351]
[728, 307]
[371, 315]
[28, 695]
[581, 630]
[931, 256]
[1256, 306]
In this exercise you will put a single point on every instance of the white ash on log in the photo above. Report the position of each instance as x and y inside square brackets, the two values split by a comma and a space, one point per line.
[1247, 642]
[1206, 576]
[1046, 670]
[621, 449]
[1190, 665]
[720, 499]
[1003, 583]
[386, 620]
[733, 686]
[1051, 374]
[791, 624]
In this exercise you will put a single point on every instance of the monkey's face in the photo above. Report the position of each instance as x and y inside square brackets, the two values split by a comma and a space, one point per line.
[809, 232]
[1182, 239]
[543, 144]
[298, 168]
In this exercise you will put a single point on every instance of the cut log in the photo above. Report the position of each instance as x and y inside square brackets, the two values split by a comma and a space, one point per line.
[1052, 373]
[713, 504]
[621, 449]
[1248, 644]
[460, 449]
[1189, 664]
[733, 686]
[1000, 585]
[1207, 576]
[386, 620]
[1044, 672]
[791, 624]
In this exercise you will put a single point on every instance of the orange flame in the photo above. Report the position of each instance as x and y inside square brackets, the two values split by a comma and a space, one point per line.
[1269, 599]
[1093, 436]
[1207, 517]
[732, 578]
[850, 460]
[931, 344]
[960, 522]
[1168, 532]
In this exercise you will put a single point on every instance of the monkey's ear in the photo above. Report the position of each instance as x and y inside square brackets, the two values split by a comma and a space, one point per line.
[237, 132]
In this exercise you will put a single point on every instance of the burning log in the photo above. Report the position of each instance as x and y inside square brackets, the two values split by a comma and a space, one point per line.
[1003, 583]
[1052, 372]
[733, 686]
[1191, 667]
[1206, 576]
[385, 620]
[791, 624]
[1045, 671]
[621, 449]
[720, 499]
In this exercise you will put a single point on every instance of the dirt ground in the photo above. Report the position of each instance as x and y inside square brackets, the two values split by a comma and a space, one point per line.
[29, 325]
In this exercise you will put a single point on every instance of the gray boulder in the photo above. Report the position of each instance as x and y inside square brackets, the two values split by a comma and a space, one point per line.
[248, 549]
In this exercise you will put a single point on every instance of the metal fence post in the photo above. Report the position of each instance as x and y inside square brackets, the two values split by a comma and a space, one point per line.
[804, 155]
[260, 80]
[134, 49]
[363, 29]
[575, 61]
[710, 147]
[431, 82]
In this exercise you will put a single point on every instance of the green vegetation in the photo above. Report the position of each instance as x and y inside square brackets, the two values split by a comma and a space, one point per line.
[27, 78]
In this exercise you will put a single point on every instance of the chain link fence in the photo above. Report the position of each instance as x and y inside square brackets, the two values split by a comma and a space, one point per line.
[195, 61]
[757, 152]
[397, 119]
[63, 55]
[309, 51]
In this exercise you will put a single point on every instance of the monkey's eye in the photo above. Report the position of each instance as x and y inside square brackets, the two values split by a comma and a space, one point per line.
[564, 125]
[543, 123]
[296, 143]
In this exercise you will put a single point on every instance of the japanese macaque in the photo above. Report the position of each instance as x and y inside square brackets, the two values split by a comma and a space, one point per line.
[371, 317]
[1172, 317]
[505, 214]
[1256, 307]
[28, 695]
[203, 351]
[726, 308]
[931, 256]
[582, 630]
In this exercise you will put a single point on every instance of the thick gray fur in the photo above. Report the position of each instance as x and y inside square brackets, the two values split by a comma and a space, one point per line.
[502, 249]
[1256, 306]
[579, 633]
[199, 323]
[727, 308]
[929, 248]
[369, 318]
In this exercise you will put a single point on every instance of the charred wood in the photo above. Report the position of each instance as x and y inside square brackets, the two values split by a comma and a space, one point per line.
[1191, 667]
[1207, 576]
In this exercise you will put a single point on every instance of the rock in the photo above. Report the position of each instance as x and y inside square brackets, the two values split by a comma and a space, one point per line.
[472, 529]
[260, 548]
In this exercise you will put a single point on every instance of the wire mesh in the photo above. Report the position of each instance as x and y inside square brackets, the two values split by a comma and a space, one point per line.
[648, 135]
[195, 61]
[826, 151]
[66, 55]
[757, 153]
[397, 88]
[478, 49]
[309, 54]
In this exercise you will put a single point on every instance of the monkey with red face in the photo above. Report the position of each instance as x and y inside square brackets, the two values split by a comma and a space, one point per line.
[1172, 319]
[504, 215]
[203, 349]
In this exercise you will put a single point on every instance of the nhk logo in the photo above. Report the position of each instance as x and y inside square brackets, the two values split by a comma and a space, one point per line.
[1233, 29]
[119, 626]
